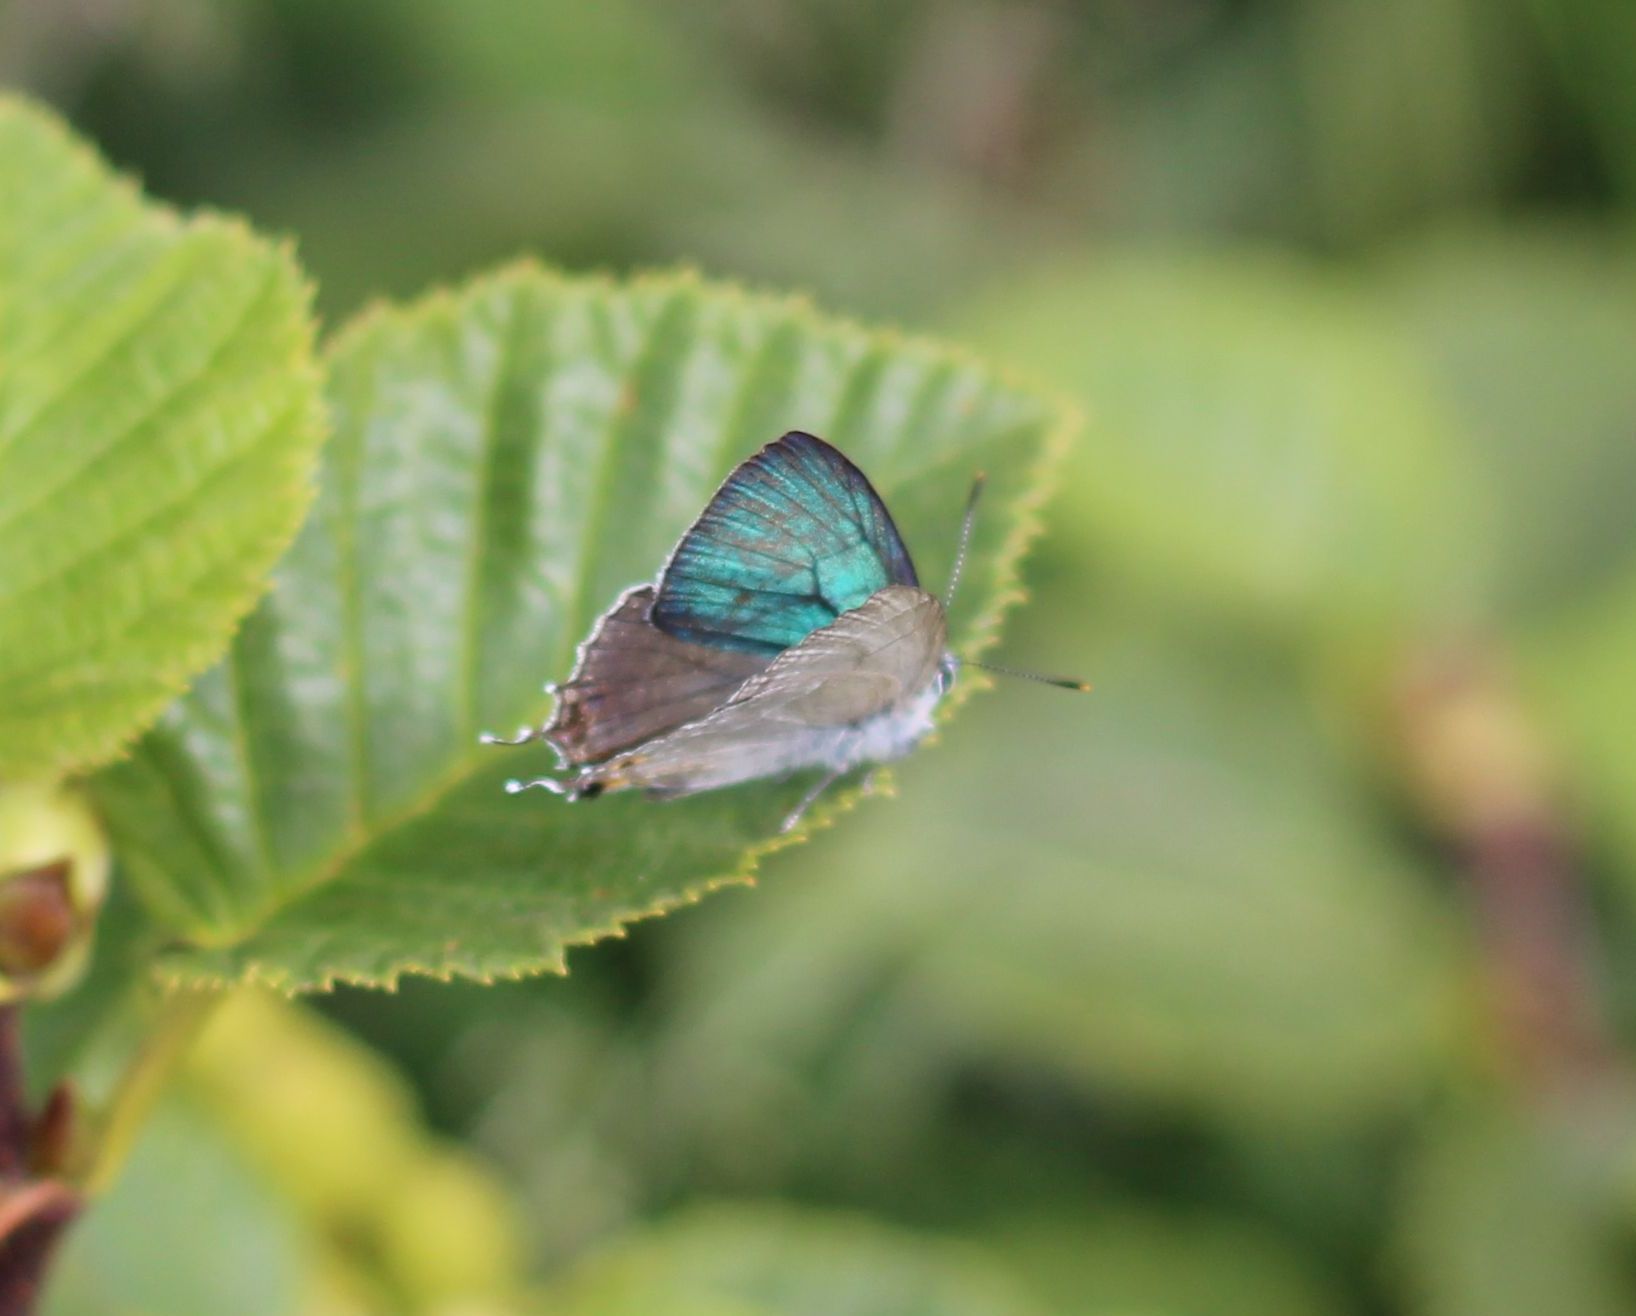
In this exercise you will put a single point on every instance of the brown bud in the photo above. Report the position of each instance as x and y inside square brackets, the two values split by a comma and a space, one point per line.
[36, 918]
[53, 874]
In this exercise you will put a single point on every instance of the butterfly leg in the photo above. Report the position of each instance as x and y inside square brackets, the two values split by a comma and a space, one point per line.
[579, 788]
[517, 786]
[810, 798]
[524, 736]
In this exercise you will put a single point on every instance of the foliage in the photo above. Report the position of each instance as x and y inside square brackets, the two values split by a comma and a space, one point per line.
[158, 424]
[506, 460]
[760, 1260]
[300, 1143]
[1289, 972]
[1272, 426]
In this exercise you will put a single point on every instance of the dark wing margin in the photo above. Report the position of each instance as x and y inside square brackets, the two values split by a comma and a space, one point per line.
[633, 682]
[794, 537]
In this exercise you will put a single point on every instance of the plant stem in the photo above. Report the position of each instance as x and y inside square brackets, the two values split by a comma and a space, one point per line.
[14, 1121]
[121, 1121]
[38, 1198]
[1484, 779]
[34, 1211]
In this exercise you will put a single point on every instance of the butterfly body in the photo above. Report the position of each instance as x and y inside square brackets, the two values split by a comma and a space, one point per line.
[787, 631]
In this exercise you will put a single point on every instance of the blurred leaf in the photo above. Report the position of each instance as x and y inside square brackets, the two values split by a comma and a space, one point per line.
[1176, 1263]
[336, 1130]
[1209, 980]
[1592, 41]
[1506, 1215]
[1579, 672]
[1263, 440]
[624, 56]
[158, 426]
[292, 1173]
[1203, 144]
[187, 1232]
[766, 1259]
[1411, 106]
[560, 1094]
[507, 459]
[465, 184]
[1532, 333]
[1166, 890]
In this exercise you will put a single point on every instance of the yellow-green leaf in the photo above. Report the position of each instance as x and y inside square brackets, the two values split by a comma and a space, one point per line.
[768, 1259]
[159, 420]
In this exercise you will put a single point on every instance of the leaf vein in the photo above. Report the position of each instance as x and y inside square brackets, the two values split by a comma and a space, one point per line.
[466, 692]
[99, 453]
[159, 299]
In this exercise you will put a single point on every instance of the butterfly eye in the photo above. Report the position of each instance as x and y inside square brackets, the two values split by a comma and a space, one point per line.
[945, 674]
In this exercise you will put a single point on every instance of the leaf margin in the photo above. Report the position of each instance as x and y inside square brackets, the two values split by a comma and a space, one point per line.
[1061, 422]
[296, 461]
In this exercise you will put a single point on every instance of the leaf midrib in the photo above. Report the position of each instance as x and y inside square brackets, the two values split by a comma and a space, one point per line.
[466, 689]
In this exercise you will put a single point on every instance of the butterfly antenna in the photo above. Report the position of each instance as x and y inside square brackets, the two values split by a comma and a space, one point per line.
[966, 521]
[1061, 682]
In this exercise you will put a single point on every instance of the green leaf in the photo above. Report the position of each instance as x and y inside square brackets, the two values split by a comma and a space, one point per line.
[766, 1259]
[1530, 333]
[507, 458]
[333, 1127]
[1195, 1262]
[159, 420]
[1511, 1213]
[1166, 893]
[1385, 145]
[138, 1250]
[1590, 45]
[1265, 443]
[1578, 672]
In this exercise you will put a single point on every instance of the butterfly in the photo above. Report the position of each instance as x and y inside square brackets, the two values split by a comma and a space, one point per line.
[788, 631]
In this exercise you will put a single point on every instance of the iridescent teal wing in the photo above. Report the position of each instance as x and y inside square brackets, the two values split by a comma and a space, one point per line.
[795, 537]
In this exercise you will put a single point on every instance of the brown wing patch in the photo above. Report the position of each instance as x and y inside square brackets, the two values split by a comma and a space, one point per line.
[633, 682]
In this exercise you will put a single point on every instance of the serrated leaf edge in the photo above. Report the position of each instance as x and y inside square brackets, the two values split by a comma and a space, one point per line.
[1026, 523]
[171, 679]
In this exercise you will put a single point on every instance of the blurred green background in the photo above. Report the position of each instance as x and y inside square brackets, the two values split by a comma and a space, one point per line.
[1291, 972]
